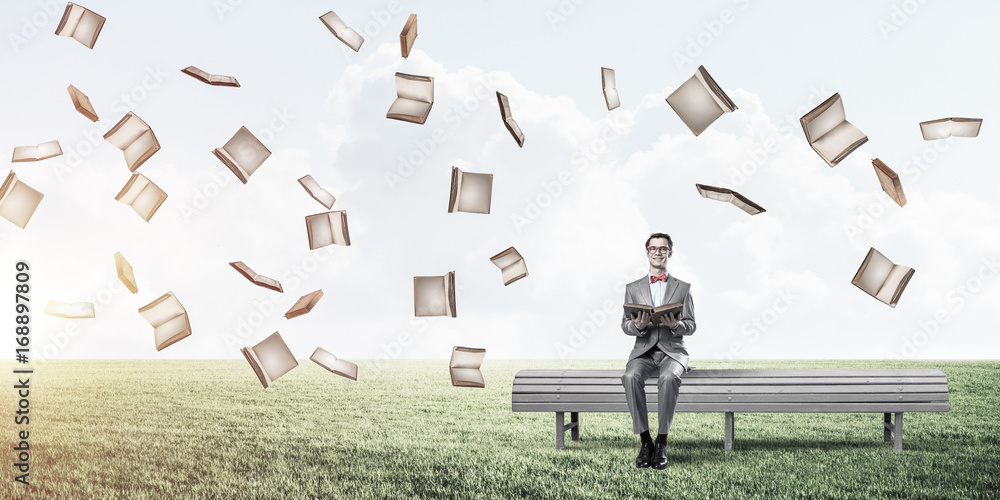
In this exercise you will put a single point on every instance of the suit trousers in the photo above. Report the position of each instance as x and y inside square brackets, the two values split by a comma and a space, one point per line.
[667, 386]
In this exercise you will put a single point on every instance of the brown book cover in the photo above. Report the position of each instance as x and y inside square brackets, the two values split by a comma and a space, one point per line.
[408, 35]
[508, 120]
[257, 279]
[656, 313]
[82, 103]
[304, 304]
[729, 196]
[125, 273]
[889, 181]
[206, 77]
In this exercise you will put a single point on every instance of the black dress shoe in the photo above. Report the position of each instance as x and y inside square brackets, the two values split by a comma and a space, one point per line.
[645, 455]
[660, 461]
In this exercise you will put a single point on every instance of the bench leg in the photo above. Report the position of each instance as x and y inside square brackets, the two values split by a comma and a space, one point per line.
[560, 430]
[574, 418]
[729, 431]
[887, 424]
[897, 430]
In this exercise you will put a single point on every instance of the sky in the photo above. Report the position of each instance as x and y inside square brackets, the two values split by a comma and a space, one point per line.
[577, 201]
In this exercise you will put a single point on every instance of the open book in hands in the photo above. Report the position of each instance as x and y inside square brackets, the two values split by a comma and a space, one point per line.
[657, 313]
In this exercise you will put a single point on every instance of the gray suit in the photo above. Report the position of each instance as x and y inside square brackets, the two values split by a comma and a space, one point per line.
[658, 350]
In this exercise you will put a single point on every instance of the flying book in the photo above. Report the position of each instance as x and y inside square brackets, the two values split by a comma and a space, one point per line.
[142, 195]
[881, 278]
[270, 359]
[18, 200]
[700, 101]
[168, 319]
[889, 181]
[76, 310]
[511, 264]
[340, 30]
[464, 366]
[134, 138]
[80, 23]
[257, 279]
[610, 91]
[408, 35]
[470, 192]
[328, 228]
[317, 192]
[125, 274]
[730, 196]
[434, 295]
[508, 120]
[243, 154]
[950, 127]
[82, 103]
[304, 304]
[655, 313]
[42, 151]
[829, 133]
[341, 367]
[414, 98]
[206, 77]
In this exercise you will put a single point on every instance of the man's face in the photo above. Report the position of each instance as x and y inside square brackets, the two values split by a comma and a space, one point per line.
[658, 251]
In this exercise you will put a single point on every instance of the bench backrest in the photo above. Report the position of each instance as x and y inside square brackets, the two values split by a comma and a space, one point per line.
[823, 390]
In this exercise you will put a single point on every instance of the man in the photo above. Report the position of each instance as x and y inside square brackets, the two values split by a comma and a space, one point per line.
[659, 349]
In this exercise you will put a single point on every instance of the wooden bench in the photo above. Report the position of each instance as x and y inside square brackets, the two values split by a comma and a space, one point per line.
[748, 391]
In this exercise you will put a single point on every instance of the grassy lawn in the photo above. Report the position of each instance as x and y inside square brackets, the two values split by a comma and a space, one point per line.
[206, 429]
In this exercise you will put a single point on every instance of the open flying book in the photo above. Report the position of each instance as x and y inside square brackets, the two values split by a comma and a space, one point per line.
[340, 30]
[270, 359]
[168, 318]
[511, 264]
[434, 295]
[889, 181]
[317, 192]
[82, 103]
[829, 133]
[408, 35]
[414, 98]
[257, 279]
[341, 367]
[76, 310]
[304, 304]
[950, 127]
[700, 101]
[730, 196]
[142, 195]
[610, 91]
[328, 228]
[125, 274]
[470, 192]
[206, 77]
[80, 23]
[42, 151]
[243, 154]
[508, 120]
[655, 313]
[134, 138]
[464, 366]
[18, 200]
[881, 278]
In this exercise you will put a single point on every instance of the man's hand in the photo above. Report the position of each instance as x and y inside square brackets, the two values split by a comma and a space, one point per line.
[670, 320]
[640, 319]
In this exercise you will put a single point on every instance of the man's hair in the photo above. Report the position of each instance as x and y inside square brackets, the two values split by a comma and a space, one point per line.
[670, 242]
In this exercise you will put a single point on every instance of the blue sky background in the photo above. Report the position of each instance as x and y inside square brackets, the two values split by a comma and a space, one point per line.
[577, 201]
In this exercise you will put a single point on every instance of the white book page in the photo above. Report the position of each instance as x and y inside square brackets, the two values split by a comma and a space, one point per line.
[836, 141]
[875, 274]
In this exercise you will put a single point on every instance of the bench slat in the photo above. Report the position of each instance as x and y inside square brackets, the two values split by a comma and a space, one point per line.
[740, 381]
[740, 407]
[714, 373]
[739, 389]
[736, 398]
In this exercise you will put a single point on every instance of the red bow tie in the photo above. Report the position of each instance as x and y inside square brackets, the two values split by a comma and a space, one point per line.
[654, 279]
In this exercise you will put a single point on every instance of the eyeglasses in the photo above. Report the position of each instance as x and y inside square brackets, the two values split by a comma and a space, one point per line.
[657, 249]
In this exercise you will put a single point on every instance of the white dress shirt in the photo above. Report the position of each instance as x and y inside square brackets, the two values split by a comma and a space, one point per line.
[656, 290]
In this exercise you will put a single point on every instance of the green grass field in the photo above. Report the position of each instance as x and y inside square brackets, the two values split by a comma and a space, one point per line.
[206, 429]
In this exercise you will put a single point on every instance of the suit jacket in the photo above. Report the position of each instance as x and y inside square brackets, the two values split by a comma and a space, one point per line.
[669, 340]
